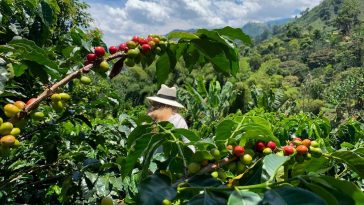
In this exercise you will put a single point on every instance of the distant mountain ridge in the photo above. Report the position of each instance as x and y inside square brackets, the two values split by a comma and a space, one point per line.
[254, 29]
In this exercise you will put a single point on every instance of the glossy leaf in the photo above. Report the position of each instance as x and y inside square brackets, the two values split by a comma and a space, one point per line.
[182, 35]
[224, 130]
[154, 189]
[291, 195]
[353, 160]
[234, 34]
[164, 65]
[354, 194]
[243, 197]
[271, 164]
[189, 134]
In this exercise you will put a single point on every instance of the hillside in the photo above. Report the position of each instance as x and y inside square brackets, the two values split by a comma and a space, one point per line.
[323, 15]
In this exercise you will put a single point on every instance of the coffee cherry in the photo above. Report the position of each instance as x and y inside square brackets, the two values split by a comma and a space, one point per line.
[1, 120]
[259, 146]
[113, 49]
[107, 201]
[297, 141]
[38, 115]
[267, 151]
[85, 80]
[15, 131]
[193, 168]
[229, 147]
[123, 47]
[247, 159]
[104, 66]
[143, 41]
[65, 96]
[131, 44]
[215, 153]
[7, 140]
[57, 106]
[11, 110]
[99, 51]
[5, 128]
[132, 53]
[316, 151]
[215, 174]
[152, 44]
[288, 150]
[301, 149]
[129, 62]
[156, 40]
[166, 202]
[306, 142]
[146, 48]
[315, 144]
[135, 39]
[91, 57]
[272, 145]
[238, 150]
[56, 97]
[308, 156]
[20, 104]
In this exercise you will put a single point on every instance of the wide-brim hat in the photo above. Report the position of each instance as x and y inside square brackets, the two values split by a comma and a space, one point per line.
[167, 96]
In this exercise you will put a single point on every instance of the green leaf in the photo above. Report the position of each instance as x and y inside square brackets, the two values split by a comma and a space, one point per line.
[154, 189]
[208, 198]
[28, 50]
[19, 69]
[315, 165]
[353, 160]
[202, 155]
[164, 65]
[216, 53]
[291, 195]
[49, 9]
[234, 34]
[136, 151]
[323, 193]
[242, 197]
[342, 187]
[224, 130]
[138, 132]
[257, 132]
[359, 151]
[182, 35]
[189, 134]
[271, 164]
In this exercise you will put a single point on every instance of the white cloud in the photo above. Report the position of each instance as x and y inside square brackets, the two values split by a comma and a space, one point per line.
[142, 17]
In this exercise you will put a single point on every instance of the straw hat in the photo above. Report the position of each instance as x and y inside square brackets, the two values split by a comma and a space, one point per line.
[167, 96]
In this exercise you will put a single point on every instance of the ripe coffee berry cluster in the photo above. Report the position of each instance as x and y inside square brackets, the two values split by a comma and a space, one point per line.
[302, 149]
[265, 147]
[7, 137]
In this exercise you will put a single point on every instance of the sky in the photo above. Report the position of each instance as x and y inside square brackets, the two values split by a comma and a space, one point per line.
[120, 20]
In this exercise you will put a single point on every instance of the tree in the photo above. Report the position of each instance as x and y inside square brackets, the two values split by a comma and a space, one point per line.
[348, 17]
[42, 21]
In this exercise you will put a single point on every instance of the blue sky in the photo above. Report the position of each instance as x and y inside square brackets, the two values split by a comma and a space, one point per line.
[119, 20]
